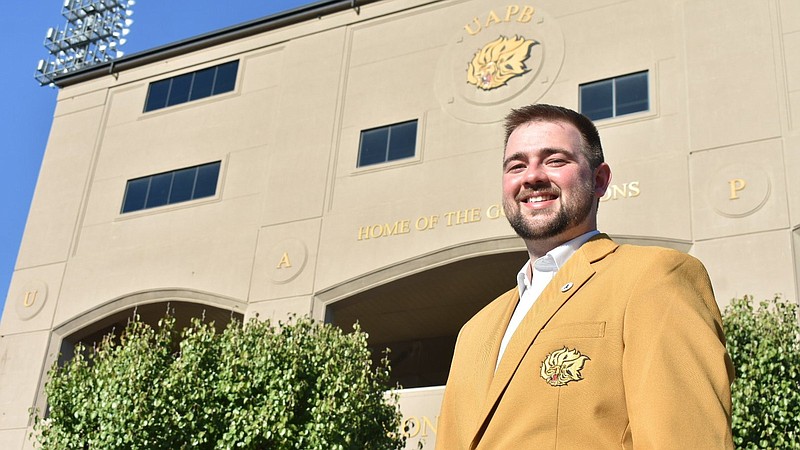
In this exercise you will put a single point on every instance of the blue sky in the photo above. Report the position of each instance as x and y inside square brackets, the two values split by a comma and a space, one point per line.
[26, 109]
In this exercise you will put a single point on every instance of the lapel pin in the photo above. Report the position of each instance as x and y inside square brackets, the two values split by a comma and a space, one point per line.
[566, 287]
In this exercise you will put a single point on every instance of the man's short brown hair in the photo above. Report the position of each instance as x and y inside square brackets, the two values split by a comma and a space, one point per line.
[540, 112]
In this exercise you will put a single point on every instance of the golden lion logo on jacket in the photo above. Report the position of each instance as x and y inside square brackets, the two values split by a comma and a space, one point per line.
[499, 61]
[562, 366]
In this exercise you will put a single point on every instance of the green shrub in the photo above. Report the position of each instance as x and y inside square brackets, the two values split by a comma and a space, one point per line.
[253, 386]
[764, 344]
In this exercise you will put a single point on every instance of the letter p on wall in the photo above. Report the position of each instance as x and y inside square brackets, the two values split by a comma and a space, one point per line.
[736, 185]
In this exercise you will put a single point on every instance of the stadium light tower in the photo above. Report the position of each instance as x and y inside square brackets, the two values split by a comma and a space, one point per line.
[94, 31]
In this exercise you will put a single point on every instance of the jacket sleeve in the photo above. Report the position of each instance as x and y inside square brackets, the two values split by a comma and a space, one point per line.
[676, 370]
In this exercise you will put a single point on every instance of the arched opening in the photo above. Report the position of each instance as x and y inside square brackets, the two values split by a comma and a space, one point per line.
[149, 313]
[112, 317]
[418, 317]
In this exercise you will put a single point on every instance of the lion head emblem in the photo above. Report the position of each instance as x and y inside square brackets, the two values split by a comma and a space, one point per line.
[562, 366]
[499, 61]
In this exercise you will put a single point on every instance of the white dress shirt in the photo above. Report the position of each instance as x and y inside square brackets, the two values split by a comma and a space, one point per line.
[543, 271]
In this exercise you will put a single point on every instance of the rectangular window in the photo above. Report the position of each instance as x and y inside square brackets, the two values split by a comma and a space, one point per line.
[191, 86]
[389, 143]
[171, 187]
[616, 96]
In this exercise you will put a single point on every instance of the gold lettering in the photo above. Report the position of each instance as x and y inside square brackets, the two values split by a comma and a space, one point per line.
[626, 190]
[450, 217]
[633, 188]
[526, 15]
[391, 231]
[511, 10]
[384, 230]
[30, 298]
[622, 191]
[494, 212]
[399, 227]
[475, 215]
[426, 223]
[427, 421]
[284, 262]
[463, 216]
[470, 30]
[492, 19]
[411, 427]
[736, 184]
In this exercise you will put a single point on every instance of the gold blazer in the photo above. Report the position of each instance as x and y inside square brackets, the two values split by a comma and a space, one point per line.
[624, 349]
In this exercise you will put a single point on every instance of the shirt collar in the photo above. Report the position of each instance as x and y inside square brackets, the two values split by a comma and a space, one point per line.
[552, 260]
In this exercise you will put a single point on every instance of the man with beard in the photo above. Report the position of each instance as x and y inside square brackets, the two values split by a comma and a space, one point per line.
[600, 345]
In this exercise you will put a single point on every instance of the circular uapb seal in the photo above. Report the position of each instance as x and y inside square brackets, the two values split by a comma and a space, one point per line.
[500, 59]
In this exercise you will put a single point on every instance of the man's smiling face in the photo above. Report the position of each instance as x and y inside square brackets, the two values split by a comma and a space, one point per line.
[549, 189]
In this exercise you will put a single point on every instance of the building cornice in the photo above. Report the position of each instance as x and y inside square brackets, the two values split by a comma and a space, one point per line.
[203, 41]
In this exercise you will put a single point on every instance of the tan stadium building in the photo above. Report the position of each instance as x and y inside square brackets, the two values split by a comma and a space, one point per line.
[343, 160]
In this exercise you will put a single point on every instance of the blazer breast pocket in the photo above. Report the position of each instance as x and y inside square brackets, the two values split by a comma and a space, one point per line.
[575, 330]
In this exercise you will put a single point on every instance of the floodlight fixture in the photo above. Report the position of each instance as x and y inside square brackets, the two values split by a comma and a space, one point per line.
[90, 36]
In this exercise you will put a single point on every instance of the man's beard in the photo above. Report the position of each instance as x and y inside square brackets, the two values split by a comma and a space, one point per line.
[569, 214]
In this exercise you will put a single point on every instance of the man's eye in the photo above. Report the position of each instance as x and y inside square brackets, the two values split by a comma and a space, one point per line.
[556, 162]
[515, 168]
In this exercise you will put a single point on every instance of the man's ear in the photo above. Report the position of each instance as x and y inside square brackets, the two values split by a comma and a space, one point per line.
[602, 179]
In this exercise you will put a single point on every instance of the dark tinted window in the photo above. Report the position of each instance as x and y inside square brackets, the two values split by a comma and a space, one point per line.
[191, 86]
[226, 77]
[613, 97]
[135, 194]
[373, 146]
[632, 94]
[597, 100]
[389, 143]
[183, 185]
[159, 190]
[203, 82]
[402, 140]
[157, 95]
[179, 91]
[171, 187]
[207, 177]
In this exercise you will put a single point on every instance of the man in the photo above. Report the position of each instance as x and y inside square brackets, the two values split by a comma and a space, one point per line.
[600, 345]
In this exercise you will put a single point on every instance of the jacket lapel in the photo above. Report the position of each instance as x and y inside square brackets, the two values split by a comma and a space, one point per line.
[576, 271]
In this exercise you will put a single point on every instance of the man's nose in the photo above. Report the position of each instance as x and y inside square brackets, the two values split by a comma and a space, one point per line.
[535, 174]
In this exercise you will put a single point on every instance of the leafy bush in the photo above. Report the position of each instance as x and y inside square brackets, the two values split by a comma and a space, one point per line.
[764, 343]
[253, 386]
